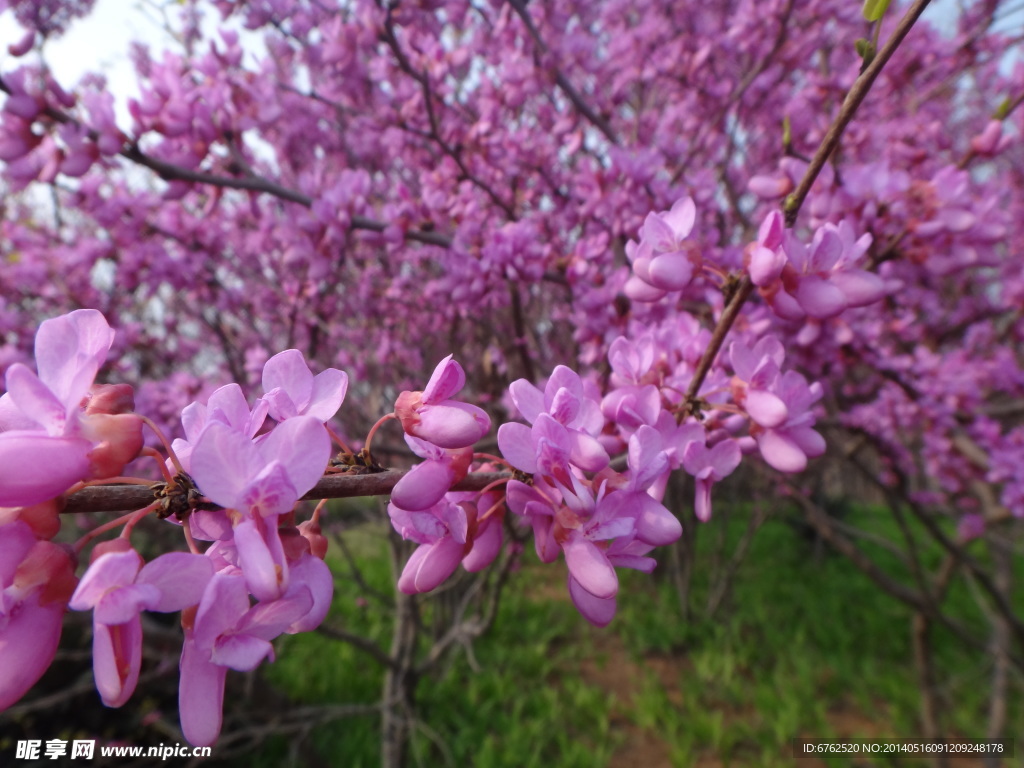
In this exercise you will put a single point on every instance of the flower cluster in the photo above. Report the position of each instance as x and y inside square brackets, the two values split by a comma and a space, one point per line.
[450, 527]
[72, 431]
[600, 522]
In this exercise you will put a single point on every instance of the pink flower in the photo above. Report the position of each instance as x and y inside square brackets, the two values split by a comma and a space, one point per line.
[442, 533]
[47, 442]
[787, 446]
[117, 587]
[663, 261]
[708, 466]
[257, 482]
[36, 580]
[292, 389]
[225, 632]
[432, 416]
[426, 483]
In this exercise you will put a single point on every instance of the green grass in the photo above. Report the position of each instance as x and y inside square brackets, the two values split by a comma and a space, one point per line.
[804, 646]
[804, 643]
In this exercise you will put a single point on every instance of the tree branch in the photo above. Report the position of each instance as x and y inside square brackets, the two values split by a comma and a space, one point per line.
[252, 183]
[124, 498]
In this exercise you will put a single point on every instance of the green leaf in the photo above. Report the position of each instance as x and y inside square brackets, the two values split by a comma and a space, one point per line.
[875, 9]
[1003, 109]
[865, 49]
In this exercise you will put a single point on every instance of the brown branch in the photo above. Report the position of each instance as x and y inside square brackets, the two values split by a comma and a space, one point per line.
[729, 315]
[391, 40]
[851, 103]
[795, 201]
[358, 641]
[519, 6]
[124, 498]
[171, 172]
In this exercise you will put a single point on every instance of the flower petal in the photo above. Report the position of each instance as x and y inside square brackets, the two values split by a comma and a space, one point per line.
[200, 695]
[589, 566]
[596, 610]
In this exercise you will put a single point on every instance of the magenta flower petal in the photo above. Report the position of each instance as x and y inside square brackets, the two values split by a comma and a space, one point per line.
[35, 400]
[28, 643]
[123, 604]
[638, 289]
[658, 233]
[17, 540]
[590, 567]
[765, 266]
[407, 581]
[228, 406]
[647, 459]
[765, 408]
[702, 503]
[200, 695]
[820, 298]
[451, 424]
[108, 572]
[859, 287]
[486, 546]
[671, 271]
[329, 390]
[312, 573]
[587, 453]
[181, 578]
[781, 452]
[438, 563]
[269, 619]
[826, 250]
[809, 441]
[241, 652]
[724, 458]
[772, 230]
[69, 350]
[596, 610]
[447, 379]
[261, 558]
[786, 307]
[116, 659]
[515, 441]
[423, 486]
[655, 525]
[288, 383]
[527, 398]
[681, 217]
[224, 602]
[35, 467]
[303, 447]
[222, 462]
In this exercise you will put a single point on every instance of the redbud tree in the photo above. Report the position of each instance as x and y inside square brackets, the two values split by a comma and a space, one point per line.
[519, 268]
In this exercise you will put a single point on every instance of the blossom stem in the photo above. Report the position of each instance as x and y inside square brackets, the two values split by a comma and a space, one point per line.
[155, 454]
[492, 509]
[79, 545]
[187, 530]
[337, 439]
[130, 525]
[375, 427]
[163, 439]
[492, 457]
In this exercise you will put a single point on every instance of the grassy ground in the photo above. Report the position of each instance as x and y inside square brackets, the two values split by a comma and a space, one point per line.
[804, 646]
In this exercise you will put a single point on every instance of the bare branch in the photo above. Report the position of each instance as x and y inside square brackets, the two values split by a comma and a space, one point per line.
[123, 498]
